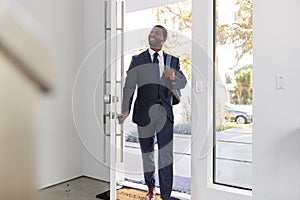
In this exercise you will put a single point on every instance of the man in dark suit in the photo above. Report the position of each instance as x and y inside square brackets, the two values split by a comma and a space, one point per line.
[153, 112]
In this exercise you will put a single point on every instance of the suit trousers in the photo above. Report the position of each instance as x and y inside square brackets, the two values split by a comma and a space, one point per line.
[161, 127]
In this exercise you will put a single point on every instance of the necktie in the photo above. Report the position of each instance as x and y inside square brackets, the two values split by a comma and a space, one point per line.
[156, 64]
[155, 58]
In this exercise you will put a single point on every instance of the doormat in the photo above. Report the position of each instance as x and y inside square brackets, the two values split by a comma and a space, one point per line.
[126, 193]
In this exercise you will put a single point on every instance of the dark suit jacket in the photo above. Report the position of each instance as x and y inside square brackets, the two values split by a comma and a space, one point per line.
[145, 75]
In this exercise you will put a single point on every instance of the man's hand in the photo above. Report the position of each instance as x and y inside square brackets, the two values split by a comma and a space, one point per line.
[169, 73]
[123, 117]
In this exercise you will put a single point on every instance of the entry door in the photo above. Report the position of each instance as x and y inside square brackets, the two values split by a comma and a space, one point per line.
[113, 84]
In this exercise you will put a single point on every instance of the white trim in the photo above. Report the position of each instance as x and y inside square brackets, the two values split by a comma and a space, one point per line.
[112, 107]
[247, 193]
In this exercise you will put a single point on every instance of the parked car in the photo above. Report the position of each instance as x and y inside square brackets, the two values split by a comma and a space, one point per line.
[132, 137]
[238, 115]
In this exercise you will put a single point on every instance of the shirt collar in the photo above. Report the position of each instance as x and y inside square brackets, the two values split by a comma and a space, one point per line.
[160, 53]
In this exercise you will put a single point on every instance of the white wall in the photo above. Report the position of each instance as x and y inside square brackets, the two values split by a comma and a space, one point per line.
[276, 132]
[65, 151]
[59, 149]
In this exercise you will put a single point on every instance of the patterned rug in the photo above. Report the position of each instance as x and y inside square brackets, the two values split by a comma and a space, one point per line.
[128, 194]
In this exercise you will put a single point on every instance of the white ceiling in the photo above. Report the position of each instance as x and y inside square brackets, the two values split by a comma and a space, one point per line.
[135, 5]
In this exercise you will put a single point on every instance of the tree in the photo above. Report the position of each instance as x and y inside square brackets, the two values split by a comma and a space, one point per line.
[239, 33]
[228, 78]
[179, 16]
[243, 88]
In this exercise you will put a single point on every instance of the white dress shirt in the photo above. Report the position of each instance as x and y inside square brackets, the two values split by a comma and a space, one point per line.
[160, 59]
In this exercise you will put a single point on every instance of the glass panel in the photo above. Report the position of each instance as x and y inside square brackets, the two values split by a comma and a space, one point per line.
[233, 93]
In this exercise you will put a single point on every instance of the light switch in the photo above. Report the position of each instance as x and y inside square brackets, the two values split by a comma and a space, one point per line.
[199, 86]
[280, 82]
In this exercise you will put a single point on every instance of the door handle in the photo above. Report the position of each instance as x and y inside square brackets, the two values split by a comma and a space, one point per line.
[107, 98]
[111, 115]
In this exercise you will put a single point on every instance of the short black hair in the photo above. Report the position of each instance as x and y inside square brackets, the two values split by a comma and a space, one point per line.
[164, 30]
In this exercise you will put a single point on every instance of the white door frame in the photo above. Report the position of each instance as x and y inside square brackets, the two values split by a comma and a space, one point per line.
[112, 127]
[203, 187]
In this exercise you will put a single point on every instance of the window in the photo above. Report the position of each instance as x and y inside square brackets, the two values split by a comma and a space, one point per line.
[233, 93]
